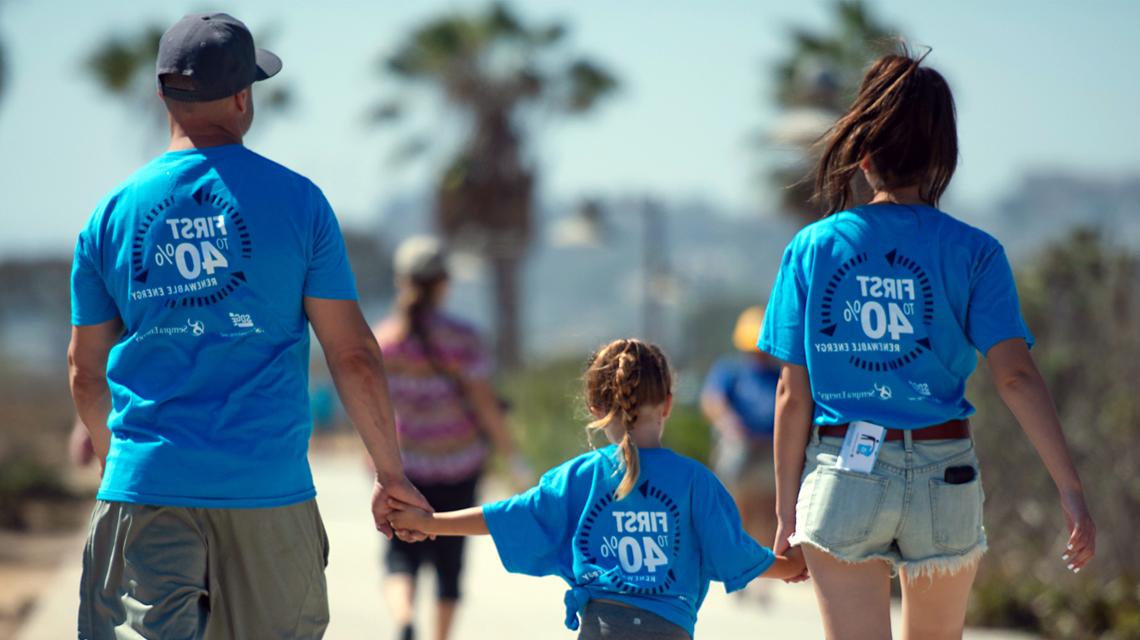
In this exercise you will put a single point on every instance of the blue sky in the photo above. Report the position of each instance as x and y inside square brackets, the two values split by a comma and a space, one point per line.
[1038, 84]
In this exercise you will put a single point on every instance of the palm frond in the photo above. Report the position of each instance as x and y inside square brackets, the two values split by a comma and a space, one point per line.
[587, 83]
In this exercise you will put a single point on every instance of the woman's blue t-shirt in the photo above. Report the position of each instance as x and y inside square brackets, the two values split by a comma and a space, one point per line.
[656, 549]
[887, 305]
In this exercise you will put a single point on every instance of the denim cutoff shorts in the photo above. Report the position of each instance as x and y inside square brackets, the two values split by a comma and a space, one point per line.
[903, 512]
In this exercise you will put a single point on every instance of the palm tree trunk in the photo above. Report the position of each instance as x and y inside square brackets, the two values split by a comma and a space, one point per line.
[505, 280]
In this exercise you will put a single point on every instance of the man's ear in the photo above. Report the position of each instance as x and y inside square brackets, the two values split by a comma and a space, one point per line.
[243, 99]
[667, 408]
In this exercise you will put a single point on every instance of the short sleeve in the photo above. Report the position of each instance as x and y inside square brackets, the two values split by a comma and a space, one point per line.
[782, 333]
[532, 530]
[330, 274]
[728, 554]
[91, 303]
[994, 311]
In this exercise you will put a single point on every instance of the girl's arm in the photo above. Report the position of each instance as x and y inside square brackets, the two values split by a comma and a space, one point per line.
[1023, 390]
[794, 409]
[465, 522]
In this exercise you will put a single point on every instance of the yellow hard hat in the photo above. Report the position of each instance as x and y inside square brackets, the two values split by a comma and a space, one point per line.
[747, 331]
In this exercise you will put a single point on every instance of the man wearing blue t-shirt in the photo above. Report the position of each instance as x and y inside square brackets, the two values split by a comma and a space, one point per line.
[193, 288]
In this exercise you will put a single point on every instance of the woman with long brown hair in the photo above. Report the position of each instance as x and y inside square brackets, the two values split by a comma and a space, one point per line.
[878, 312]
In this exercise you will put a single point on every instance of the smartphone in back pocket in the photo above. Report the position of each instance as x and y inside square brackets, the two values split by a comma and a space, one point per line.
[959, 475]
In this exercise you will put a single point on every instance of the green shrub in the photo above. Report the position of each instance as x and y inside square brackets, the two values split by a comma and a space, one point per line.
[23, 479]
[1081, 298]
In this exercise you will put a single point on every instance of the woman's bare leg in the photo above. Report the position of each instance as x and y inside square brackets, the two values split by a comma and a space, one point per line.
[854, 599]
[934, 608]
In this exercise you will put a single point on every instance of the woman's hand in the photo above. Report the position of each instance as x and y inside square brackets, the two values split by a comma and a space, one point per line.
[785, 527]
[1082, 530]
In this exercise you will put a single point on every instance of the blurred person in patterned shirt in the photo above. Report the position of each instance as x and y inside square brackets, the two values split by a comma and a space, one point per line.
[448, 418]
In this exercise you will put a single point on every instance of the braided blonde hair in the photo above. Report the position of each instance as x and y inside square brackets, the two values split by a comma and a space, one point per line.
[622, 377]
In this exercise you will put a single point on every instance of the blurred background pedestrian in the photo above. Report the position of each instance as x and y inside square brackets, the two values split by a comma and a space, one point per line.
[739, 400]
[448, 418]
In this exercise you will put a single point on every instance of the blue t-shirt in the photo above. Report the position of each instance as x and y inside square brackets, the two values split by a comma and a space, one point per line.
[887, 305]
[748, 385]
[657, 549]
[206, 255]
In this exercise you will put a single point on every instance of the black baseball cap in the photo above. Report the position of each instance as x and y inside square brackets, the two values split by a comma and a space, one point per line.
[214, 50]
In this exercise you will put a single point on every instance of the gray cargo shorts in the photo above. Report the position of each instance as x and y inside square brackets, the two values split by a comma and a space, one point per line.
[189, 573]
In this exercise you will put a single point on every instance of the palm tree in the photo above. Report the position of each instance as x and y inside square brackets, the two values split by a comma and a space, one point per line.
[499, 74]
[123, 66]
[815, 83]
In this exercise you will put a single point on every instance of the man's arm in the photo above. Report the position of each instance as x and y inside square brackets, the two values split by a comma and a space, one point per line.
[87, 374]
[357, 369]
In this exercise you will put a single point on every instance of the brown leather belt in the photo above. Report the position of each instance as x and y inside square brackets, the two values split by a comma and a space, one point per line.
[952, 430]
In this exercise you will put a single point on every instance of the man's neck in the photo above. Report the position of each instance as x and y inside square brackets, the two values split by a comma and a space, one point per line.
[181, 139]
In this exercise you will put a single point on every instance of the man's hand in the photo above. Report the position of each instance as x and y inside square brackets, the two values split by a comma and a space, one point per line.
[399, 490]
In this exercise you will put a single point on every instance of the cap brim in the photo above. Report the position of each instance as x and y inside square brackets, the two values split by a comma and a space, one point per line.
[268, 64]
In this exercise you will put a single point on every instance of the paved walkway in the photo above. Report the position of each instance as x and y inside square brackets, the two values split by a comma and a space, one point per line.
[498, 605]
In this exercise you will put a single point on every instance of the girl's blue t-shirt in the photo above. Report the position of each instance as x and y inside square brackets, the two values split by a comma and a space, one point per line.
[887, 306]
[656, 549]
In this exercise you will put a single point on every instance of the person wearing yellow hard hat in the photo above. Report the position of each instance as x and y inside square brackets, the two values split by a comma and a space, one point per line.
[739, 399]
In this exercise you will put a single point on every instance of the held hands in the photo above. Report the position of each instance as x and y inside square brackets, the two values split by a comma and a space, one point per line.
[396, 491]
[405, 519]
[784, 529]
[1082, 530]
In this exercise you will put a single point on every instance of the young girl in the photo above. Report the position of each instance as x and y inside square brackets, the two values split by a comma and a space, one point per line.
[636, 530]
[878, 312]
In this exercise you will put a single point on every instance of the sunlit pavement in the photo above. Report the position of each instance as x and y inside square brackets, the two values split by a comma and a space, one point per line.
[497, 605]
